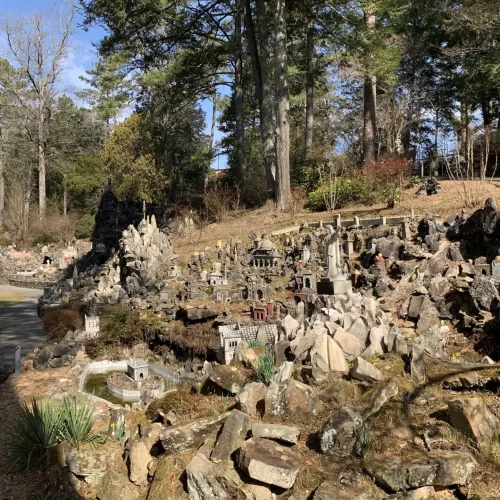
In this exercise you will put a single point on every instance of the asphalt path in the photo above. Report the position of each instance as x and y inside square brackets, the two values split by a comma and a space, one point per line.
[19, 324]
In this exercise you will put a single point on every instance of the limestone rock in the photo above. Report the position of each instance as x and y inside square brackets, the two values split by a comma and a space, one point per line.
[475, 420]
[235, 428]
[339, 435]
[345, 489]
[89, 462]
[115, 485]
[251, 398]
[202, 482]
[291, 326]
[359, 330]
[377, 345]
[417, 304]
[417, 364]
[363, 370]
[190, 435]
[373, 401]
[350, 344]
[429, 317]
[441, 468]
[230, 378]
[303, 345]
[139, 461]
[268, 462]
[327, 356]
[287, 433]
[292, 399]
[284, 372]
[439, 287]
[161, 485]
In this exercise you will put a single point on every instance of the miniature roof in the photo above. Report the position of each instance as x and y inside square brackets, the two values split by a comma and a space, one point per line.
[247, 332]
[137, 363]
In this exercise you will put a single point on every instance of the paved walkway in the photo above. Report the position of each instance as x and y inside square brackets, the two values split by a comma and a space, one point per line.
[19, 324]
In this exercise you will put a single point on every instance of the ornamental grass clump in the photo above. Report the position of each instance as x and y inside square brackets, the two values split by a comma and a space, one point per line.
[41, 426]
[265, 367]
[77, 421]
[35, 432]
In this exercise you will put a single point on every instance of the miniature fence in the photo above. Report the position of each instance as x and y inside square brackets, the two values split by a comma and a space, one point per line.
[354, 222]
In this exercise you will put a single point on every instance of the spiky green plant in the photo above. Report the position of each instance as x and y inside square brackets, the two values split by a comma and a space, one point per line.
[254, 344]
[77, 421]
[35, 432]
[265, 368]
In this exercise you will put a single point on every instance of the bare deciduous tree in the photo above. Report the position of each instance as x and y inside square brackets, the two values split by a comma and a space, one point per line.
[39, 47]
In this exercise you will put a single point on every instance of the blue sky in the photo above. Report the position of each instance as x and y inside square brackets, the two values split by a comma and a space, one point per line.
[83, 53]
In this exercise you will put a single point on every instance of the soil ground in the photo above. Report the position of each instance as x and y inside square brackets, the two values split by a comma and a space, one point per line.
[453, 197]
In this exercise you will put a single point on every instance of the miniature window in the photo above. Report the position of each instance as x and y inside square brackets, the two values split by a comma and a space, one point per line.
[233, 343]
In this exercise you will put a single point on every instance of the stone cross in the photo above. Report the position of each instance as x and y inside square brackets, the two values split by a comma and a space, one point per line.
[333, 259]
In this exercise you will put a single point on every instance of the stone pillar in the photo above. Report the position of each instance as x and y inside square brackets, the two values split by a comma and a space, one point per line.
[17, 360]
[349, 247]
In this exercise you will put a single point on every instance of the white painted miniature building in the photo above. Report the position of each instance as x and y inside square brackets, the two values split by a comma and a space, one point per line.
[231, 335]
[91, 326]
[137, 369]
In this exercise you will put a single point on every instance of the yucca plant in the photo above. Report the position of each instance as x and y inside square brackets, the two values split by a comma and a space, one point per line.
[77, 421]
[265, 367]
[254, 343]
[35, 432]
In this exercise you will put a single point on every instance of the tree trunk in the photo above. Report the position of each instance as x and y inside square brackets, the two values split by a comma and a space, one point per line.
[369, 101]
[486, 111]
[267, 118]
[2, 190]
[238, 92]
[41, 167]
[253, 51]
[212, 136]
[65, 200]
[309, 92]
[283, 194]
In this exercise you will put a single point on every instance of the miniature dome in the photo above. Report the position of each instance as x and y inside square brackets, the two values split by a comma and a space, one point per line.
[266, 245]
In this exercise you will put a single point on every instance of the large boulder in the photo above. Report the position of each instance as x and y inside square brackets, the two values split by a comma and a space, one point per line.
[235, 429]
[350, 344]
[292, 399]
[190, 435]
[230, 378]
[484, 294]
[428, 318]
[251, 399]
[340, 433]
[87, 462]
[115, 485]
[327, 356]
[439, 287]
[202, 480]
[359, 330]
[440, 468]
[291, 326]
[476, 421]
[268, 462]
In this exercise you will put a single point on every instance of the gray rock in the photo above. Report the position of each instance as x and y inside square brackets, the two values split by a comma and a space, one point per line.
[429, 317]
[287, 433]
[279, 350]
[59, 350]
[293, 399]
[417, 305]
[433, 342]
[200, 313]
[439, 287]
[304, 344]
[291, 326]
[417, 364]
[376, 345]
[372, 402]
[202, 480]
[268, 462]
[228, 377]
[43, 358]
[284, 372]
[476, 421]
[115, 485]
[484, 294]
[89, 462]
[340, 433]
[363, 370]
[440, 468]
[191, 435]
[359, 330]
[350, 344]
[327, 356]
[235, 429]
[347, 489]
[140, 458]
[251, 399]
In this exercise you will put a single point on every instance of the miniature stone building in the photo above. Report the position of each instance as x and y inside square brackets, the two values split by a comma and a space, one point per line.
[482, 268]
[309, 282]
[137, 369]
[92, 326]
[260, 312]
[264, 255]
[231, 335]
